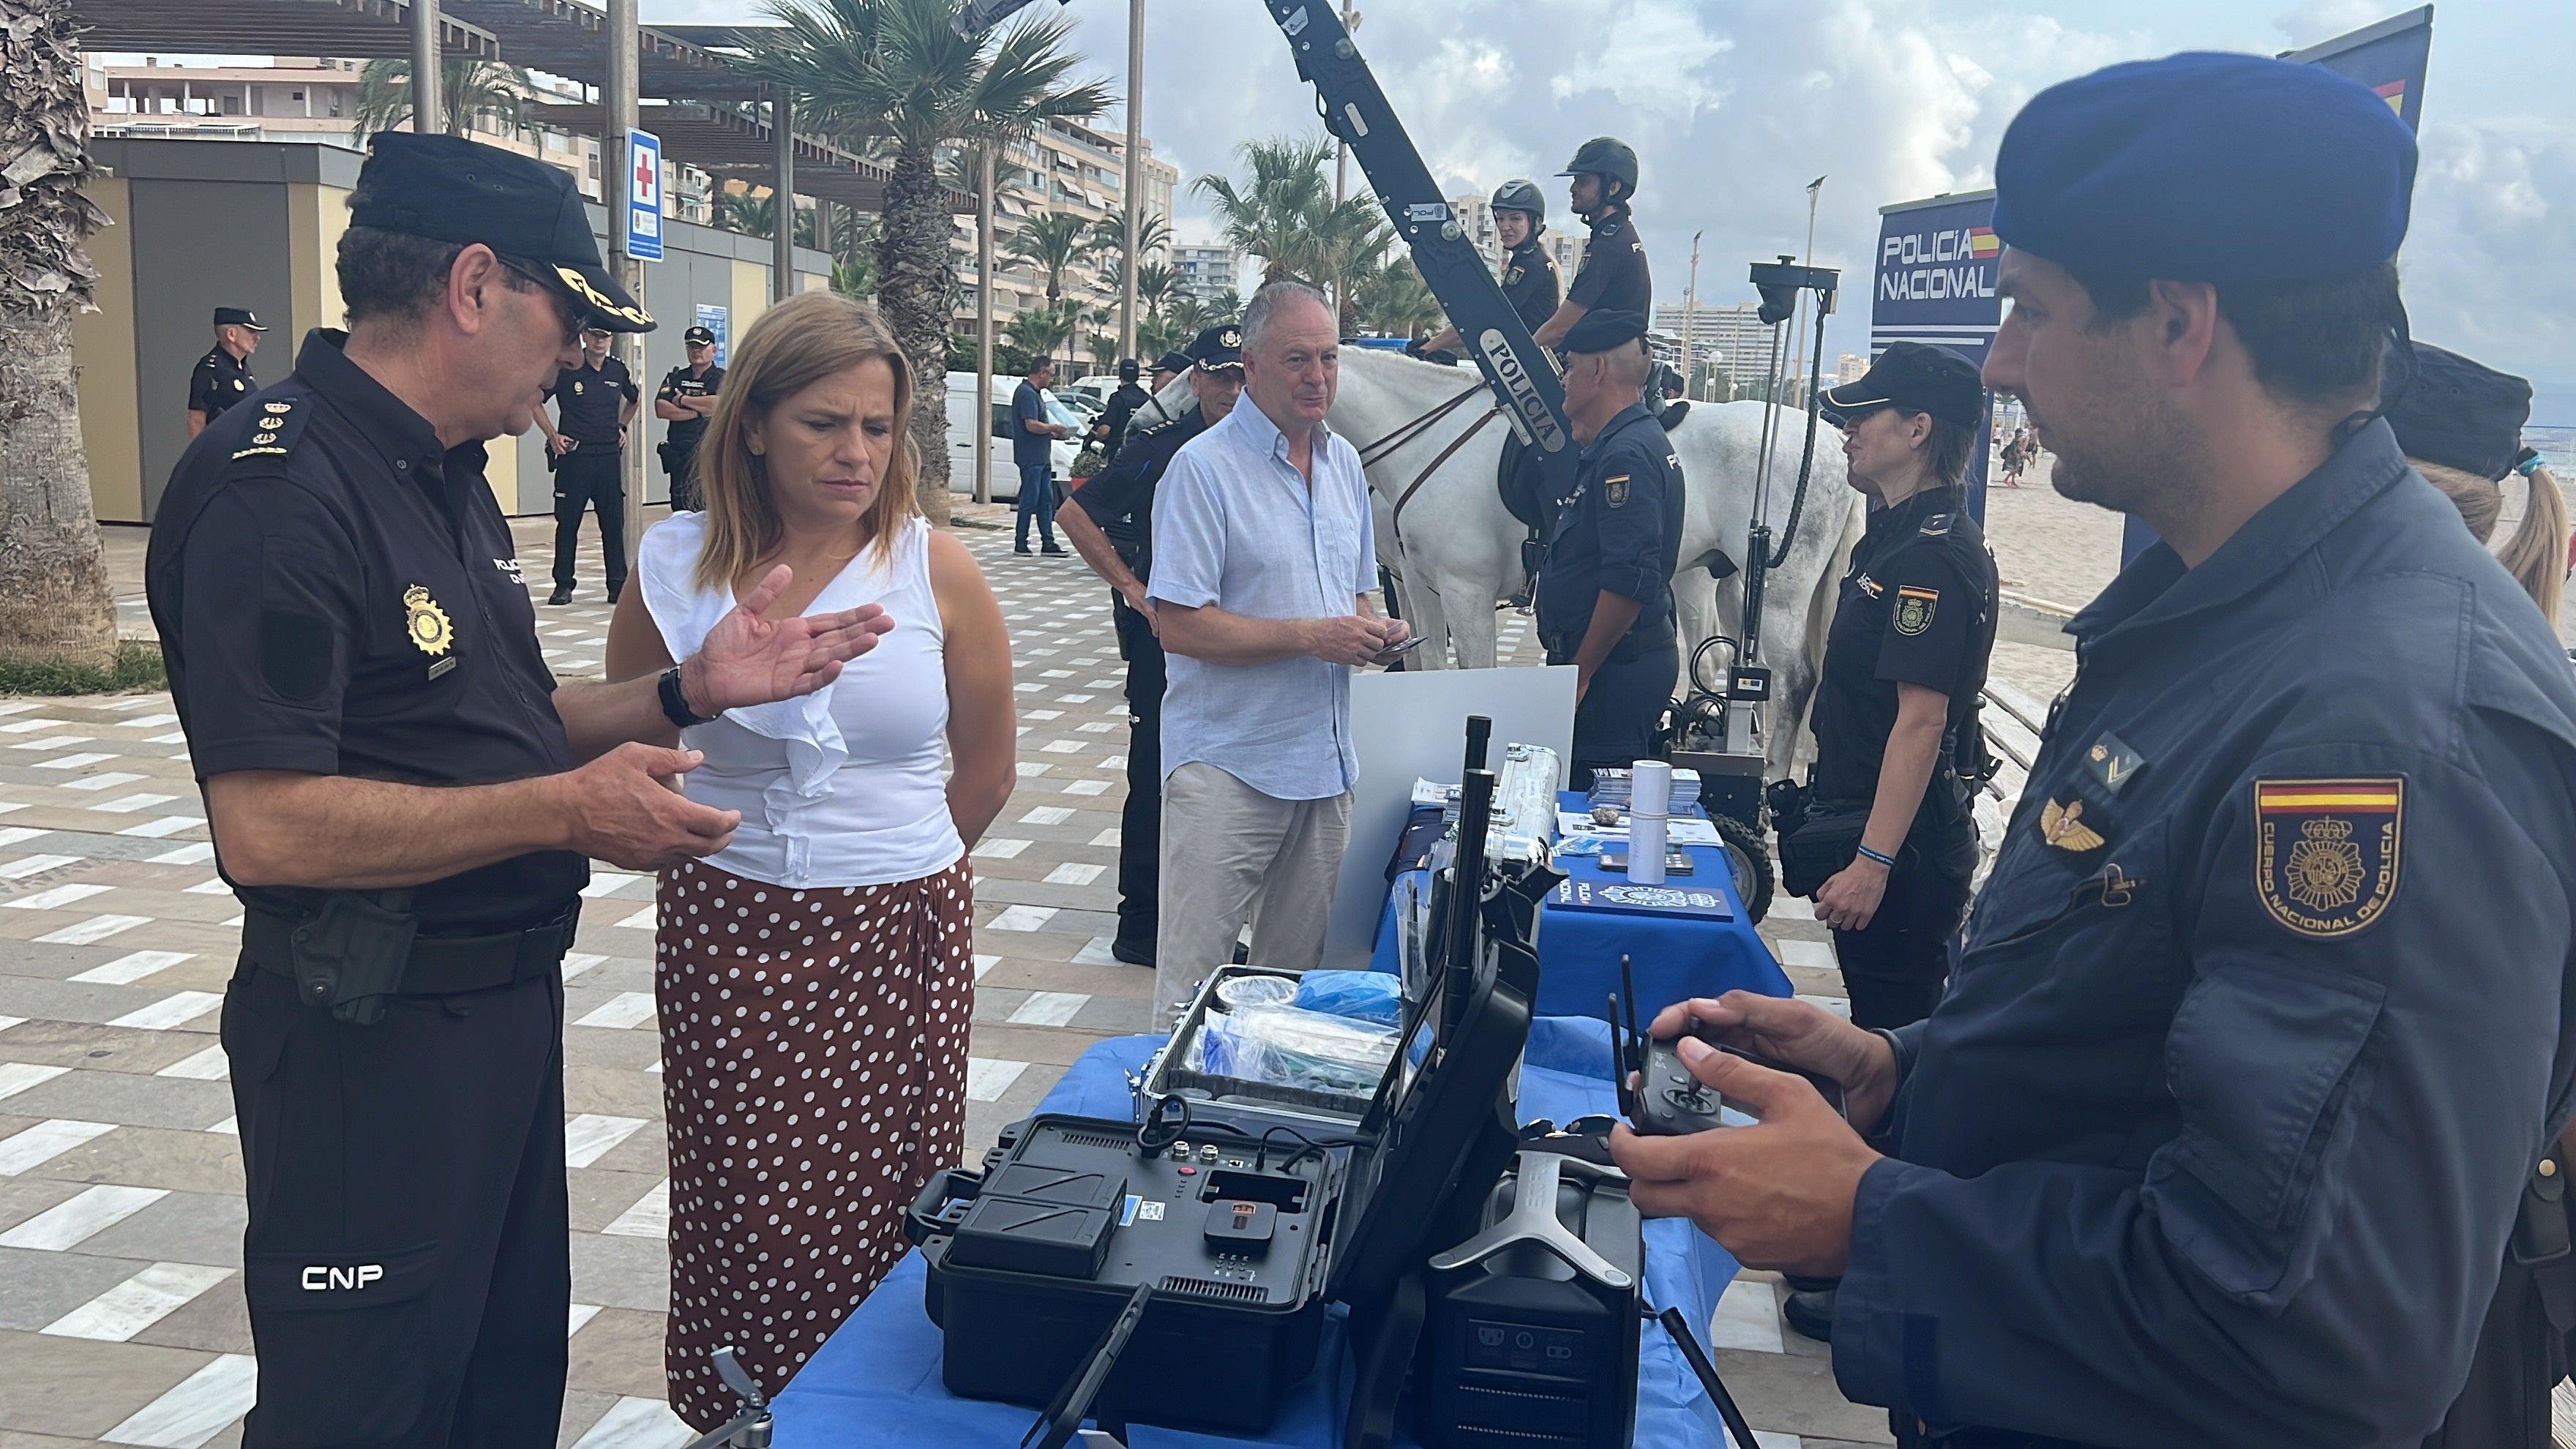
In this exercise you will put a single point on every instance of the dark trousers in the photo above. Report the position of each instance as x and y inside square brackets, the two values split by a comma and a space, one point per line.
[586, 479]
[1037, 499]
[1140, 826]
[407, 1261]
[1895, 968]
[1614, 726]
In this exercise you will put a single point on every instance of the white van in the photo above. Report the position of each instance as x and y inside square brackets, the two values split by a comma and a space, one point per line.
[1006, 474]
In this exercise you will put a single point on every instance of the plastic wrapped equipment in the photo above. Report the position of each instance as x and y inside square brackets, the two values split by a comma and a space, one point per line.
[1285, 1046]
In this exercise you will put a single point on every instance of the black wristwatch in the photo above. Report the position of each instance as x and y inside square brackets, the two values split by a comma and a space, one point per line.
[675, 704]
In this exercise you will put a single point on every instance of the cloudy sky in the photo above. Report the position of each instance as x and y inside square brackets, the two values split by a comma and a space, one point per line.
[1734, 105]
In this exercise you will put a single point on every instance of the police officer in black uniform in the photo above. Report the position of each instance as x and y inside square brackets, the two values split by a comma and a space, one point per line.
[1913, 628]
[686, 398]
[1112, 527]
[1605, 594]
[1111, 431]
[396, 791]
[2262, 1016]
[222, 377]
[596, 398]
[1614, 276]
[1529, 278]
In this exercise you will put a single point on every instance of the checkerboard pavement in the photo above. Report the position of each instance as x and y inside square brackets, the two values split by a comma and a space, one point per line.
[121, 1316]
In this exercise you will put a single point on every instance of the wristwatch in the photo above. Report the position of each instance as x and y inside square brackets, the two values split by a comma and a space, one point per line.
[675, 703]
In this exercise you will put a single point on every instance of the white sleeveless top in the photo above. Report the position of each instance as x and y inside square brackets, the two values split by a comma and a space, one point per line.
[841, 787]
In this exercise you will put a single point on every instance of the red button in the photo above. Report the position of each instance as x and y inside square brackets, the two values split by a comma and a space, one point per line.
[1189, 1172]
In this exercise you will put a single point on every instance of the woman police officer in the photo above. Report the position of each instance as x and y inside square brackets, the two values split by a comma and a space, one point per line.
[1529, 279]
[1903, 663]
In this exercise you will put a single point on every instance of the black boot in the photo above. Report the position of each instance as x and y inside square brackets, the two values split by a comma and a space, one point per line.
[1811, 1314]
[561, 595]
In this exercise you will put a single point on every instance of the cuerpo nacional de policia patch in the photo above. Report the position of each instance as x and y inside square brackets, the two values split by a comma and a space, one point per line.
[1914, 608]
[2325, 855]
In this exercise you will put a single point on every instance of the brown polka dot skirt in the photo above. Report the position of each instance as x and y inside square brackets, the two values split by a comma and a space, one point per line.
[814, 1076]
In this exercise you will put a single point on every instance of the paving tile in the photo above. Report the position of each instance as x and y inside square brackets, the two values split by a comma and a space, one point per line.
[81, 1388]
[216, 1321]
[182, 1227]
[619, 1351]
[37, 1287]
[207, 1162]
[129, 1099]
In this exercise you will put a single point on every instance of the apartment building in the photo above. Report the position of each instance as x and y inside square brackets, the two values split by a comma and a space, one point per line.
[1062, 167]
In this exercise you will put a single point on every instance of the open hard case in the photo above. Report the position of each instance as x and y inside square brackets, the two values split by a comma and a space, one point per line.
[1102, 1267]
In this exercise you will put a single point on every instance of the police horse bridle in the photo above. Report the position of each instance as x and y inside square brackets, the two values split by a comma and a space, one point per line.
[1412, 432]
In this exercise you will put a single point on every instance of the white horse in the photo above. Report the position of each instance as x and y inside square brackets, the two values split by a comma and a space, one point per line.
[1455, 550]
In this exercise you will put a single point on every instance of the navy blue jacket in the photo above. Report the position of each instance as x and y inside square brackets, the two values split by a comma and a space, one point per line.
[2262, 1019]
[1621, 530]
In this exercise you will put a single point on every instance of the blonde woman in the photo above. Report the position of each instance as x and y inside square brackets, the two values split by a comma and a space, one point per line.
[816, 976]
[2460, 424]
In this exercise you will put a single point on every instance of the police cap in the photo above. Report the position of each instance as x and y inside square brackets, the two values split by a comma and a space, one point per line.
[2458, 413]
[699, 337]
[1916, 378]
[450, 189]
[1607, 157]
[2204, 167]
[1127, 369]
[1602, 330]
[1172, 362]
[238, 317]
[1217, 348]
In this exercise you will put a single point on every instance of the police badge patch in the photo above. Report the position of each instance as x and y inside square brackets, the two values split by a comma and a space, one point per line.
[1614, 490]
[2325, 851]
[1914, 608]
[426, 623]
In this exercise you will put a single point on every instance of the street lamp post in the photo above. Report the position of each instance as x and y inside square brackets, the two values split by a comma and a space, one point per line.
[983, 421]
[617, 175]
[1690, 318]
[1135, 176]
[426, 93]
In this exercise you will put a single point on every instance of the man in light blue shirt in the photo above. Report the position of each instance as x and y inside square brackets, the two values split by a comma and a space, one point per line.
[1263, 560]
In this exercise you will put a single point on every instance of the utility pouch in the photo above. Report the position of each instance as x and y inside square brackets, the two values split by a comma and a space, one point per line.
[1533, 554]
[352, 954]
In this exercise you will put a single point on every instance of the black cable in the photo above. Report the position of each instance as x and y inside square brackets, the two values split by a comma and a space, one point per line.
[1678, 1329]
[1261, 1157]
[1807, 463]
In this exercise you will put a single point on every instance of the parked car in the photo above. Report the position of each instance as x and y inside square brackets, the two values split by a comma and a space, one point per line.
[1006, 475]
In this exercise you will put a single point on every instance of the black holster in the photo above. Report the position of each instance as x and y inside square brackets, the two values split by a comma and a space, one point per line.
[352, 954]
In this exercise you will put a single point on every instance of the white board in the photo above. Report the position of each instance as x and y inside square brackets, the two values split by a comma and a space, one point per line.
[1411, 726]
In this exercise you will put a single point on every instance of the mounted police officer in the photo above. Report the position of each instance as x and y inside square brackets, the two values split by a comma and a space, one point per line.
[222, 377]
[2262, 1018]
[1605, 593]
[398, 794]
[1529, 280]
[1112, 527]
[1614, 276]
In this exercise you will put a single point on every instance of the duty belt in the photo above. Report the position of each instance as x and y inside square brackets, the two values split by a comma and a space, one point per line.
[354, 953]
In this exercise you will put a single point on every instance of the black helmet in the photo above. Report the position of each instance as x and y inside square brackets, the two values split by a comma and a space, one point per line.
[1520, 195]
[1607, 157]
[1126, 369]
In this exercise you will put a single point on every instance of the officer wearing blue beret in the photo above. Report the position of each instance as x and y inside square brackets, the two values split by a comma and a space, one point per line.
[2261, 1019]
[1605, 594]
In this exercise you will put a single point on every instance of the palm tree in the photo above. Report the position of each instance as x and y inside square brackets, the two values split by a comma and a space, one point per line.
[1271, 213]
[896, 74]
[1153, 284]
[742, 212]
[467, 88]
[1039, 331]
[1153, 234]
[54, 602]
[1395, 300]
[1053, 242]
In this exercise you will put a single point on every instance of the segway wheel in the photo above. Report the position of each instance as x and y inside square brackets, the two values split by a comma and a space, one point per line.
[1749, 856]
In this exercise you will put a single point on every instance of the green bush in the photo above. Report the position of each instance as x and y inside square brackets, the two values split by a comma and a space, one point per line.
[138, 667]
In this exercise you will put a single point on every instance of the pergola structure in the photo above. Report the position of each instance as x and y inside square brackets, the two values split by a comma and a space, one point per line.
[365, 29]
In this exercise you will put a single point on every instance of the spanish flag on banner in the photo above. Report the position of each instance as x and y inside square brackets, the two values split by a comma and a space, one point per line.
[2394, 93]
[1983, 243]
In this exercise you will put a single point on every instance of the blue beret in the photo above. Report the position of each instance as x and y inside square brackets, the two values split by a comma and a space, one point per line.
[2207, 168]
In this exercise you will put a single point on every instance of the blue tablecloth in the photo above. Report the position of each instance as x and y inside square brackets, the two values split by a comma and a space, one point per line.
[876, 1381]
[1675, 959]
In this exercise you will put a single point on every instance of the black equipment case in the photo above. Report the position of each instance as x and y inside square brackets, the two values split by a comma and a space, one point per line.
[1213, 1250]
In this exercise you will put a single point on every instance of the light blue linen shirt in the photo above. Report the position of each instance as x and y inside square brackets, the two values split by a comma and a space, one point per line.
[1236, 526]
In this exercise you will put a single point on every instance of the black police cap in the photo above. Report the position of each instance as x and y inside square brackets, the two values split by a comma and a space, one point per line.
[450, 189]
[1127, 369]
[699, 337]
[1916, 378]
[238, 317]
[1603, 329]
[2458, 413]
[1172, 362]
[1218, 347]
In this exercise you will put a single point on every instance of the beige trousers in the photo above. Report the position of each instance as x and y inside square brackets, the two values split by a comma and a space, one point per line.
[1231, 854]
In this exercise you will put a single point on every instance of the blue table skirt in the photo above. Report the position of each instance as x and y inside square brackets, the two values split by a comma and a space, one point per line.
[1675, 959]
[876, 1381]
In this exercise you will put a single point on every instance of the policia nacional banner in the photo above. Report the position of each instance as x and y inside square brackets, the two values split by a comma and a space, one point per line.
[1935, 275]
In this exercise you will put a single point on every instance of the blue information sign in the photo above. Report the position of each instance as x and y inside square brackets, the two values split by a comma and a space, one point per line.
[643, 240]
[1935, 283]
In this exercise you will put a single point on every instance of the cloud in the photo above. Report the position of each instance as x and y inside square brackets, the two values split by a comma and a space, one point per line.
[2324, 19]
[2490, 262]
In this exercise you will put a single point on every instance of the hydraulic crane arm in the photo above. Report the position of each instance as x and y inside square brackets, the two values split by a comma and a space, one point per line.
[1357, 112]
